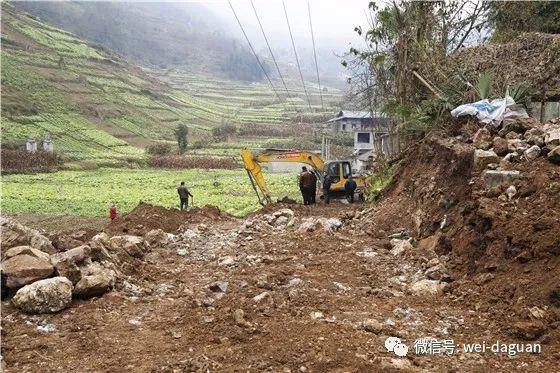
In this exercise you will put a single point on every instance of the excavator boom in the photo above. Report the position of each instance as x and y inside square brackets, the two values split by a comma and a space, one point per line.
[253, 167]
[337, 171]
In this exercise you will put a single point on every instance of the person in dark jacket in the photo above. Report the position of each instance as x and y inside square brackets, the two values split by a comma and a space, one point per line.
[306, 185]
[184, 195]
[313, 188]
[327, 188]
[350, 187]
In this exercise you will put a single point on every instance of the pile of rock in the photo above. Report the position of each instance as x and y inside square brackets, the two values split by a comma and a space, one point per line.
[16, 234]
[516, 140]
[278, 220]
[45, 283]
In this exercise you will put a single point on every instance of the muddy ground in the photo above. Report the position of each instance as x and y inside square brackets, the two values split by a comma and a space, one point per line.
[320, 289]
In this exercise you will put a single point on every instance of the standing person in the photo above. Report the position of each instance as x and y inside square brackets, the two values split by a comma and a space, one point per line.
[313, 188]
[303, 170]
[350, 187]
[327, 188]
[184, 195]
[113, 212]
[305, 185]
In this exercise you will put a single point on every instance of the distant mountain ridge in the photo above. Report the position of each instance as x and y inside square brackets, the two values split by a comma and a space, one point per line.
[157, 34]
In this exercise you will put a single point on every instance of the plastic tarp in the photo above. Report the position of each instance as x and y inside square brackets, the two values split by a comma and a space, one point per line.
[493, 112]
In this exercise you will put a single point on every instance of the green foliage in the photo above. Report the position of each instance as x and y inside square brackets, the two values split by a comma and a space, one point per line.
[158, 33]
[159, 149]
[379, 180]
[181, 133]
[223, 131]
[519, 93]
[89, 192]
[484, 85]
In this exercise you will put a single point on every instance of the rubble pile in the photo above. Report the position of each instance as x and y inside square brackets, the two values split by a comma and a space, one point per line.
[43, 282]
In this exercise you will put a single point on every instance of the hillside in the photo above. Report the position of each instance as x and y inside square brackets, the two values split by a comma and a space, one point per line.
[97, 106]
[157, 34]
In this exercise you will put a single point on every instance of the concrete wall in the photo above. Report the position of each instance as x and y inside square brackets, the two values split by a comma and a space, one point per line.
[551, 110]
[283, 168]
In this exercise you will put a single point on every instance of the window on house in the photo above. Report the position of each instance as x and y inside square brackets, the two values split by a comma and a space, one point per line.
[344, 127]
[363, 137]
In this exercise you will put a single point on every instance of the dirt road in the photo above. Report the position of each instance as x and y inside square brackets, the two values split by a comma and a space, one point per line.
[286, 300]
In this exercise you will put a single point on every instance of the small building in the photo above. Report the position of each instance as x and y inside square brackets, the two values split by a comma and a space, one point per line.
[31, 145]
[366, 130]
[47, 144]
[349, 121]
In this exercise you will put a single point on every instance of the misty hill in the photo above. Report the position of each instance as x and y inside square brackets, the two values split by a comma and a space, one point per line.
[186, 35]
[96, 106]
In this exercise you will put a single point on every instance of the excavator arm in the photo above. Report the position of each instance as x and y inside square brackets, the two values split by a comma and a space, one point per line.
[253, 166]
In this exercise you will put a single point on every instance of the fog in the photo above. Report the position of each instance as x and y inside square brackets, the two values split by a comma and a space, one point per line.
[333, 20]
[333, 27]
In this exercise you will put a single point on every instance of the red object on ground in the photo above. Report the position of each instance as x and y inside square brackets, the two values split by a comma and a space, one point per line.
[113, 212]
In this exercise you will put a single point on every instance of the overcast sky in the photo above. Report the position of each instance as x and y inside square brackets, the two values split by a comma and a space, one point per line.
[333, 20]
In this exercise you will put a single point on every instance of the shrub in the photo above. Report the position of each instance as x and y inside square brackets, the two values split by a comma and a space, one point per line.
[159, 149]
[16, 161]
[223, 131]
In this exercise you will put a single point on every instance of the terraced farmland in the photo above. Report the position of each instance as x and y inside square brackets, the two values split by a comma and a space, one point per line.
[96, 106]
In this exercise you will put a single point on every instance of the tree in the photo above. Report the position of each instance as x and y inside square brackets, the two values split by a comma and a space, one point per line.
[404, 69]
[181, 133]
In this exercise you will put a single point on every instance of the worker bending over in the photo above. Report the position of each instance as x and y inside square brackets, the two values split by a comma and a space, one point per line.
[184, 195]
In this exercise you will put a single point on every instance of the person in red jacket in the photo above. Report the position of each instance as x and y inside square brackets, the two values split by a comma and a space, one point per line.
[113, 211]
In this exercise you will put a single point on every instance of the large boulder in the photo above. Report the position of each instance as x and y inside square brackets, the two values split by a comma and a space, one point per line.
[483, 158]
[313, 223]
[68, 268]
[157, 238]
[519, 125]
[494, 178]
[482, 139]
[16, 234]
[44, 296]
[517, 145]
[24, 269]
[399, 246]
[95, 284]
[500, 146]
[554, 155]
[533, 152]
[132, 245]
[99, 245]
[535, 136]
[25, 250]
[552, 134]
[427, 287]
[76, 255]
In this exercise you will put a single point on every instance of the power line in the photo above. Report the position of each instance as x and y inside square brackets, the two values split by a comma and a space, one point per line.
[272, 54]
[254, 53]
[295, 53]
[315, 54]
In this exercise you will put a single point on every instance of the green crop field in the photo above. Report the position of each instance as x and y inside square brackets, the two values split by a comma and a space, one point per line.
[88, 193]
[97, 107]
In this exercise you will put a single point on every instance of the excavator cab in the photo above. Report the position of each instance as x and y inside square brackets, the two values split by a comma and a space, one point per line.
[338, 172]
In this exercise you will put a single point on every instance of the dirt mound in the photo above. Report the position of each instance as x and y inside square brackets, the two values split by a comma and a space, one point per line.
[506, 248]
[146, 217]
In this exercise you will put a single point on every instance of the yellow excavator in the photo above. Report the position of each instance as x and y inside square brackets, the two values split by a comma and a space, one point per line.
[337, 171]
